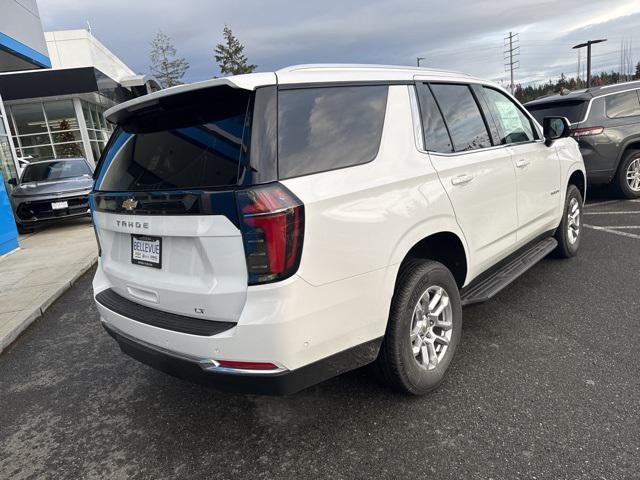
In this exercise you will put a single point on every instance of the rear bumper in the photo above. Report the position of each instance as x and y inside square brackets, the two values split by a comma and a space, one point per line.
[292, 324]
[600, 168]
[280, 383]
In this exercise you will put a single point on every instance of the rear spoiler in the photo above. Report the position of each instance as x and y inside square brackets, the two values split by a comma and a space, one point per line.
[120, 113]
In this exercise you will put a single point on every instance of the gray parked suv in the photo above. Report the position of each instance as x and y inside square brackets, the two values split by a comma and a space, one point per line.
[606, 123]
[51, 190]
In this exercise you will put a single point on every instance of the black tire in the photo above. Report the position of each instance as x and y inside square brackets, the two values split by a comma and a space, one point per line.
[566, 248]
[620, 182]
[396, 363]
[24, 230]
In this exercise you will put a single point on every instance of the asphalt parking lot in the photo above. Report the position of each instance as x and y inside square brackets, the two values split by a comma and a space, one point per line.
[545, 385]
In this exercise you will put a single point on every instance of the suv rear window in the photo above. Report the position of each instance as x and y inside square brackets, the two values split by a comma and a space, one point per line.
[185, 147]
[573, 110]
[327, 128]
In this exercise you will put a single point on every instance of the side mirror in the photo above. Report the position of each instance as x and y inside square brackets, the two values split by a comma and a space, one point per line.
[13, 181]
[555, 128]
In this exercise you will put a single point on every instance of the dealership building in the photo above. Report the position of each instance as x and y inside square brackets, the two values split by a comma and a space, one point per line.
[54, 88]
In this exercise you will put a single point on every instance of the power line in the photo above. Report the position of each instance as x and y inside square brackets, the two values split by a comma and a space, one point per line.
[511, 56]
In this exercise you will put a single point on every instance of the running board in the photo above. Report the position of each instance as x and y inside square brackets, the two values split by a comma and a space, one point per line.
[489, 286]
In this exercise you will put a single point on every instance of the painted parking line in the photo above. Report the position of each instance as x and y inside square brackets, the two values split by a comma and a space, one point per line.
[613, 213]
[615, 232]
[622, 227]
[602, 204]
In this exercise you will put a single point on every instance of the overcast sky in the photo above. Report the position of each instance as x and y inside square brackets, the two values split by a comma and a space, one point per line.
[464, 35]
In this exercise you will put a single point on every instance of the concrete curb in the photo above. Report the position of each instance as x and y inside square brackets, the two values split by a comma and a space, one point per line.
[22, 321]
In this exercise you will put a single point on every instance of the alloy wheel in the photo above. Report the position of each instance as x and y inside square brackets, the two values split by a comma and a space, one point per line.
[431, 327]
[573, 221]
[633, 175]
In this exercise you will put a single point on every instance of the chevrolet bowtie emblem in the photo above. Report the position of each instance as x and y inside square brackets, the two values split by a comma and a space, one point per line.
[129, 204]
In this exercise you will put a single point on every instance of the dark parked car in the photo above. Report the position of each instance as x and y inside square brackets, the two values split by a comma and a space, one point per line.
[606, 123]
[51, 190]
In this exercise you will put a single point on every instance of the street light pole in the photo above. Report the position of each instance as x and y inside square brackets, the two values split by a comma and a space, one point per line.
[588, 45]
[418, 60]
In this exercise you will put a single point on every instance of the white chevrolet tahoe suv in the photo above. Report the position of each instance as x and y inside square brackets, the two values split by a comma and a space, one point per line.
[265, 232]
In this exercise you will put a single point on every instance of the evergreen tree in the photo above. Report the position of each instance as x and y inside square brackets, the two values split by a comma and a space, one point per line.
[165, 67]
[637, 75]
[531, 92]
[230, 56]
[67, 150]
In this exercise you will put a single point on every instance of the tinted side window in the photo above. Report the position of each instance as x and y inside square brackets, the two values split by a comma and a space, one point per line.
[515, 126]
[436, 136]
[460, 110]
[321, 129]
[622, 105]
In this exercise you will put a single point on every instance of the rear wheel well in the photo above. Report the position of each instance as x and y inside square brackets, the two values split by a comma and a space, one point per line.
[444, 247]
[628, 150]
[577, 179]
[632, 147]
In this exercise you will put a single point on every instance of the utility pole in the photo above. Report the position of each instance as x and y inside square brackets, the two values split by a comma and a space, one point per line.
[578, 76]
[511, 54]
[588, 45]
[418, 59]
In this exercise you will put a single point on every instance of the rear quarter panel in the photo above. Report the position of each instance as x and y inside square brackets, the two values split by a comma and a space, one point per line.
[359, 218]
[361, 221]
[570, 162]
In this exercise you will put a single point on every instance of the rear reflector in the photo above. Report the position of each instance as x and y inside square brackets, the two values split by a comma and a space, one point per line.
[583, 132]
[272, 225]
[246, 365]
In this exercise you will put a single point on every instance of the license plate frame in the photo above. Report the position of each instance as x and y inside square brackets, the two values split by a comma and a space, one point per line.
[61, 205]
[146, 258]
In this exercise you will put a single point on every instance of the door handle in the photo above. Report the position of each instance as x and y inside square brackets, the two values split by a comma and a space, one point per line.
[522, 163]
[461, 179]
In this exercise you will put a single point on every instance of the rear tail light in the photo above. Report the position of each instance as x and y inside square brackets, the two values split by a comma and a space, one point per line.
[272, 225]
[93, 223]
[583, 132]
[95, 231]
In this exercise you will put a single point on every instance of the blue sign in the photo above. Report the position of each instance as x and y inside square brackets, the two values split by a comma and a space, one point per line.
[8, 232]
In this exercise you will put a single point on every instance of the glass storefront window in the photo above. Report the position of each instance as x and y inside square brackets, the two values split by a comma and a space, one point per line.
[61, 115]
[29, 118]
[95, 148]
[98, 129]
[47, 130]
[69, 150]
[32, 140]
[87, 115]
[69, 136]
[43, 152]
[7, 167]
[50, 129]
[95, 117]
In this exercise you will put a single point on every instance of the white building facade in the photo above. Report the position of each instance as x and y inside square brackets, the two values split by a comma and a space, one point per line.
[52, 105]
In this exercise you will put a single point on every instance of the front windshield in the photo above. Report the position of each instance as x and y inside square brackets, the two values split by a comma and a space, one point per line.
[46, 171]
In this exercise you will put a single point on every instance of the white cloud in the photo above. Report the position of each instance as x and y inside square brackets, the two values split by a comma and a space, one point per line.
[463, 35]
